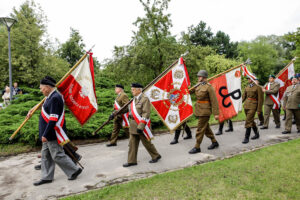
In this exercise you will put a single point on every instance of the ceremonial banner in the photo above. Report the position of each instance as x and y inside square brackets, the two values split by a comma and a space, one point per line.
[284, 79]
[125, 122]
[170, 96]
[229, 95]
[78, 90]
[247, 73]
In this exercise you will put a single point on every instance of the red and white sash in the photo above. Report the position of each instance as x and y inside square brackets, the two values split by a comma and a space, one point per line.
[274, 98]
[147, 132]
[61, 136]
[125, 122]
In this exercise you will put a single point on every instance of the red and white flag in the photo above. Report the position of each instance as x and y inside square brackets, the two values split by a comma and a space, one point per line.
[284, 79]
[229, 95]
[274, 98]
[78, 90]
[170, 96]
[247, 73]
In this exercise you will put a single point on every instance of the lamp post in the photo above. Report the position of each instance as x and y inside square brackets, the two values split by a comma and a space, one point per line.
[9, 22]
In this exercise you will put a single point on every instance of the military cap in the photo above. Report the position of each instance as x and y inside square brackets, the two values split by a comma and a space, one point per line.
[136, 85]
[119, 86]
[272, 76]
[47, 80]
[202, 73]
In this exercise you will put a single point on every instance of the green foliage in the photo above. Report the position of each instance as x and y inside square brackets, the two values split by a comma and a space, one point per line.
[203, 36]
[73, 49]
[294, 38]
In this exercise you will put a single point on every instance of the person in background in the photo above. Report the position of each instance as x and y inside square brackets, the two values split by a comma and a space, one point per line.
[6, 96]
[16, 89]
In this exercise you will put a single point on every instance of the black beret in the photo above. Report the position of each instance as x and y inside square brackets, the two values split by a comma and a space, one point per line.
[48, 81]
[119, 86]
[272, 76]
[136, 85]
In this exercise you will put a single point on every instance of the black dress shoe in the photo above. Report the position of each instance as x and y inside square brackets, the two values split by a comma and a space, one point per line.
[155, 160]
[298, 131]
[38, 167]
[213, 146]
[286, 132]
[129, 164]
[74, 176]
[174, 142]
[111, 145]
[264, 127]
[41, 182]
[219, 133]
[277, 126]
[194, 150]
[260, 124]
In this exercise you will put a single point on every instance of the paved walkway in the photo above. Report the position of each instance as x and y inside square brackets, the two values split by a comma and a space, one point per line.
[103, 165]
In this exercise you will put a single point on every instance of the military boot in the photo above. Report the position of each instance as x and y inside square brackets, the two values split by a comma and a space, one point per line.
[247, 135]
[230, 126]
[188, 133]
[176, 136]
[220, 131]
[256, 136]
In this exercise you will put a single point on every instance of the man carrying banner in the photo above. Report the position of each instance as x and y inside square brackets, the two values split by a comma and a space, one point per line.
[139, 129]
[292, 105]
[271, 102]
[52, 128]
[206, 105]
[122, 118]
[253, 100]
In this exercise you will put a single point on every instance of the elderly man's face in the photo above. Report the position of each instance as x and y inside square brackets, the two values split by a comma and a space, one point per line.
[118, 90]
[135, 91]
[45, 89]
[271, 79]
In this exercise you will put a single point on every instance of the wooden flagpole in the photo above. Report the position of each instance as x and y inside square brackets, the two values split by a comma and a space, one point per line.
[144, 89]
[57, 84]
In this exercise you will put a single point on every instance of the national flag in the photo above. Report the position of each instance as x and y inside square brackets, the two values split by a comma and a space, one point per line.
[284, 79]
[247, 73]
[170, 96]
[78, 90]
[229, 95]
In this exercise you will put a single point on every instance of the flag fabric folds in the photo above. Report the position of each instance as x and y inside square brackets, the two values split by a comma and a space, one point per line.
[170, 96]
[229, 94]
[78, 90]
[284, 79]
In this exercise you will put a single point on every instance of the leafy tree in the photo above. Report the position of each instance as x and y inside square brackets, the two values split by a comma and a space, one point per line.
[223, 46]
[263, 56]
[73, 49]
[294, 38]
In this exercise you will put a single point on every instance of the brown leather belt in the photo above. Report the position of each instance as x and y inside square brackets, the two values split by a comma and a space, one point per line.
[252, 99]
[198, 101]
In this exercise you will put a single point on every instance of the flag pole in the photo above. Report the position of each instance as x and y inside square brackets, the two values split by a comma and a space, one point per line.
[145, 88]
[222, 73]
[281, 71]
[57, 84]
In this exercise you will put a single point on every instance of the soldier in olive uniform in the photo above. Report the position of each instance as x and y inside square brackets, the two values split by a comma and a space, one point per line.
[186, 128]
[121, 100]
[268, 104]
[291, 103]
[260, 115]
[206, 105]
[143, 108]
[253, 100]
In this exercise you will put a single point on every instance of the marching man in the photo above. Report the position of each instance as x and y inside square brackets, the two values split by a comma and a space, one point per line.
[122, 118]
[271, 102]
[206, 105]
[139, 129]
[52, 133]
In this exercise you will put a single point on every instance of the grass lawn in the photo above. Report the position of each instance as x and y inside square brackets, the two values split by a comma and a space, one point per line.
[14, 149]
[269, 173]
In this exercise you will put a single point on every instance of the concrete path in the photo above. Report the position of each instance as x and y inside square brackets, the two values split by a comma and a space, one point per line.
[103, 165]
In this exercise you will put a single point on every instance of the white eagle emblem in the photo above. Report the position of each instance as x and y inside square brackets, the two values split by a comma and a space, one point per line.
[84, 92]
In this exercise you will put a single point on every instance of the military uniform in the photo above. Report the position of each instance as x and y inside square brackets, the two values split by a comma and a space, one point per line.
[291, 102]
[253, 100]
[121, 99]
[261, 115]
[143, 108]
[206, 105]
[268, 105]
